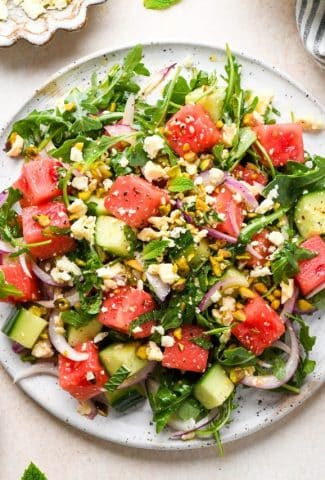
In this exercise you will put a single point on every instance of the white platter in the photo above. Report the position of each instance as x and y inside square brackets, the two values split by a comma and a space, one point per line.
[257, 409]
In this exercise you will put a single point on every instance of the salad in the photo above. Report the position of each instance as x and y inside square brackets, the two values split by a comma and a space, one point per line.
[164, 248]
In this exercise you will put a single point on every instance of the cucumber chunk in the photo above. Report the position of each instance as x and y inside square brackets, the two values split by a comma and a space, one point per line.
[213, 389]
[126, 398]
[310, 214]
[197, 254]
[210, 99]
[83, 334]
[237, 278]
[24, 327]
[96, 205]
[118, 354]
[115, 236]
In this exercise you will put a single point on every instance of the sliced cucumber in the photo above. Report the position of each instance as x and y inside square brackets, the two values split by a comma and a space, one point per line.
[83, 334]
[24, 327]
[118, 354]
[236, 277]
[197, 254]
[213, 389]
[97, 205]
[126, 398]
[310, 214]
[210, 99]
[115, 236]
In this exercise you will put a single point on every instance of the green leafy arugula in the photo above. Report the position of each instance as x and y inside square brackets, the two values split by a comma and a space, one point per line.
[154, 249]
[182, 243]
[235, 357]
[180, 184]
[117, 379]
[6, 289]
[258, 224]
[203, 342]
[159, 4]
[32, 472]
[285, 264]
[9, 226]
[318, 300]
[76, 318]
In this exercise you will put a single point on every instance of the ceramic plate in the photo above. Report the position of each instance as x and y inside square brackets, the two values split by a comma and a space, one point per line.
[40, 31]
[257, 409]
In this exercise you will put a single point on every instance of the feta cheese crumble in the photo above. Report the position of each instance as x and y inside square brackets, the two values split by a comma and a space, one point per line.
[80, 183]
[152, 171]
[165, 271]
[268, 203]
[84, 228]
[78, 208]
[260, 272]
[277, 238]
[152, 145]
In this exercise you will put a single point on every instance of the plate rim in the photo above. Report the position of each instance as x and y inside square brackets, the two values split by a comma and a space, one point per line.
[308, 389]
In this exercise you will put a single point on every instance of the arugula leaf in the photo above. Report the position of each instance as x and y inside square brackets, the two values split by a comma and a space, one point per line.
[318, 300]
[154, 249]
[76, 318]
[299, 178]
[6, 289]
[9, 226]
[306, 340]
[184, 241]
[136, 155]
[246, 138]
[285, 263]
[180, 184]
[257, 224]
[203, 342]
[33, 473]
[238, 356]
[159, 4]
[234, 90]
[278, 367]
[159, 112]
[117, 378]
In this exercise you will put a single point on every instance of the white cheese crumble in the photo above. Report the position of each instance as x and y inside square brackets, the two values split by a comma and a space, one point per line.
[152, 171]
[80, 183]
[137, 330]
[215, 297]
[64, 271]
[268, 203]
[159, 329]
[153, 352]
[228, 304]
[167, 341]
[43, 349]
[228, 134]
[76, 155]
[84, 228]
[107, 184]
[124, 162]
[287, 290]
[277, 238]
[78, 208]
[152, 145]
[113, 276]
[260, 272]
[16, 147]
[148, 234]
[165, 271]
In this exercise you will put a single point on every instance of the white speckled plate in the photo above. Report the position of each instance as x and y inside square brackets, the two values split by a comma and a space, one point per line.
[40, 31]
[257, 409]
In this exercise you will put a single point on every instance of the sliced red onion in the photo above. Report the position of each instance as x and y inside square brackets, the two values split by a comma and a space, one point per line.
[263, 364]
[316, 290]
[155, 80]
[253, 252]
[282, 346]
[236, 186]
[43, 276]
[269, 382]
[3, 198]
[60, 343]
[6, 248]
[120, 129]
[232, 214]
[23, 264]
[221, 236]
[128, 116]
[198, 425]
[139, 376]
[289, 305]
[222, 284]
[17, 348]
[206, 178]
[160, 288]
[37, 369]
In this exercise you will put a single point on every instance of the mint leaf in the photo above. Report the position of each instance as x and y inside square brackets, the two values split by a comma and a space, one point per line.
[159, 4]
[203, 342]
[180, 184]
[285, 264]
[154, 249]
[115, 381]
[33, 473]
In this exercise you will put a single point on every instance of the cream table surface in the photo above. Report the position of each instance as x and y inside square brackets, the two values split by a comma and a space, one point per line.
[292, 449]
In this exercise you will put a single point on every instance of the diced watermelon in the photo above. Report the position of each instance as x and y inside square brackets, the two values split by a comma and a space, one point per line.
[312, 271]
[15, 275]
[224, 204]
[133, 200]
[191, 129]
[261, 244]
[250, 174]
[282, 141]
[39, 181]
[123, 306]
[184, 354]
[262, 326]
[83, 380]
[32, 230]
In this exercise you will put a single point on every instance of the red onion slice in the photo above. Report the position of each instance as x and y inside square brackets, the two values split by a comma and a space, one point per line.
[128, 116]
[269, 382]
[232, 214]
[23, 264]
[236, 186]
[221, 236]
[289, 305]
[224, 284]
[139, 376]
[120, 129]
[316, 290]
[60, 343]
[3, 198]
[6, 248]
[155, 80]
[43, 276]
[37, 369]
[253, 252]
[160, 288]
[202, 423]
[282, 346]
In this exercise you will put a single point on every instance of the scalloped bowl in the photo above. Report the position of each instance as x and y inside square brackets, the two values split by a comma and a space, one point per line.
[40, 31]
